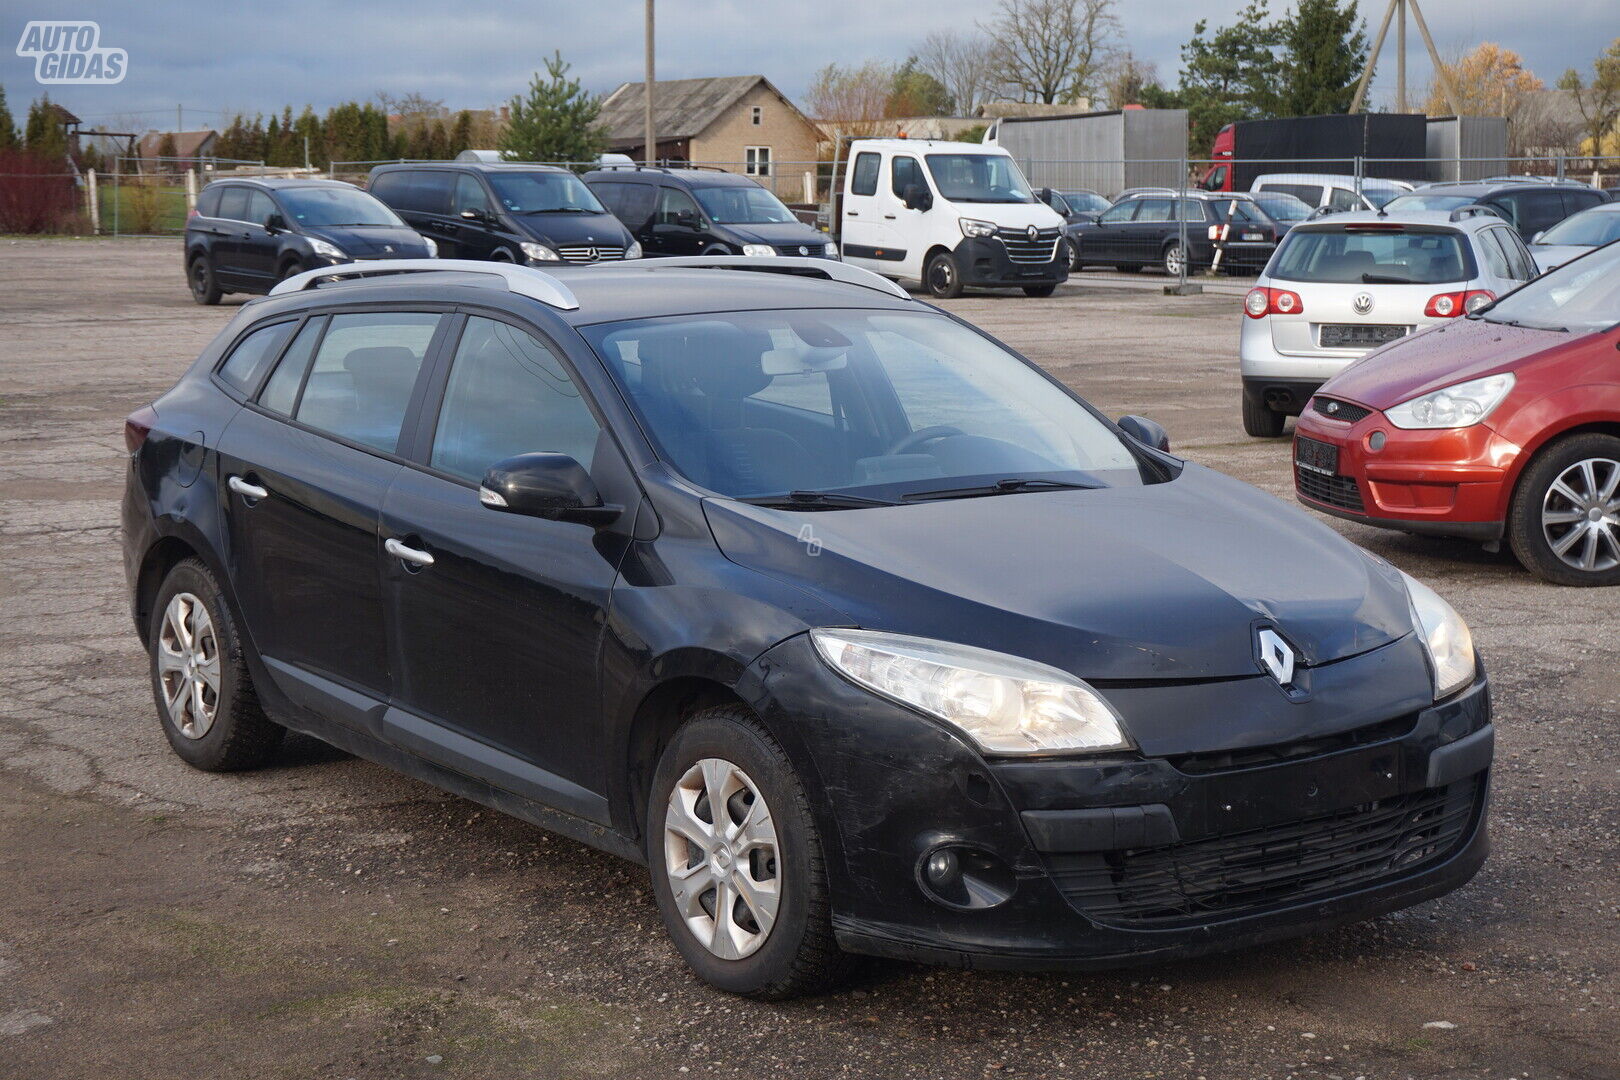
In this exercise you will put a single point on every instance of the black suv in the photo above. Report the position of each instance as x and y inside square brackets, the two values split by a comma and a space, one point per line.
[246, 235]
[1531, 207]
[1144, 230]
[705, 212]
[507, 212]
[856, 627]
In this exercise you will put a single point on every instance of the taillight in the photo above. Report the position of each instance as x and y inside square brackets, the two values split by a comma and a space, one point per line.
[137, 426]
[1448, 305]
[1263, 301]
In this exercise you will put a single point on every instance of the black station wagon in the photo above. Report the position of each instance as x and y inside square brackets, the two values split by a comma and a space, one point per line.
[859, 630]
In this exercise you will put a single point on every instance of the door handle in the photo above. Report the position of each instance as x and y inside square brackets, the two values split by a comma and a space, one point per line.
[407, 554]
[888, 217]
[247, 490]
[852, 213]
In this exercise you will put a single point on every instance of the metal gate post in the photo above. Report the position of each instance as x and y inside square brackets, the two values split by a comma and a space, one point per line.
[1182, 287]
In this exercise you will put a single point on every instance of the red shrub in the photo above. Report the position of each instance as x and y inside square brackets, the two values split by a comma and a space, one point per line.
[37, 194]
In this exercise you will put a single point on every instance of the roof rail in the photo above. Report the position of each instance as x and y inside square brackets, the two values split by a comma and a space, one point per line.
[1473, 210]
[832, 269]
[523, 280]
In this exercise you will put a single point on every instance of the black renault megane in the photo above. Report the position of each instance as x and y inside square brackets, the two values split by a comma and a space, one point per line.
[860, 631]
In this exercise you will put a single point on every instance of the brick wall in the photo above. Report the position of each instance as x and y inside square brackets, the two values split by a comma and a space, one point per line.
[791, 138]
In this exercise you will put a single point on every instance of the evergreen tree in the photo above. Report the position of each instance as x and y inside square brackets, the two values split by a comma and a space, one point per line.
[8, 126]
[461, 133]
[555, 122]
[1232, 74]
[1324, 50]
[166, 150]
[44, 135]
[309, 131]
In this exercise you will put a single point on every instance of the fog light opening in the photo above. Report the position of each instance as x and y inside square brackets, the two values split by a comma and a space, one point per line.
[1376, 441]
[965, 878]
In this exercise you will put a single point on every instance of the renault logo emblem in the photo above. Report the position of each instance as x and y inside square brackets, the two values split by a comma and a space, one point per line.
[1033, 233]
[1276, 656]
[1363, 303]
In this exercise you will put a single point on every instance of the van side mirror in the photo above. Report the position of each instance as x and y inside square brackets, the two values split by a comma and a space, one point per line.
[917, 197]
[686, 219]
[476, 215]
[550, 486]
[274, 222]
[1146, 432]
[1536, 239]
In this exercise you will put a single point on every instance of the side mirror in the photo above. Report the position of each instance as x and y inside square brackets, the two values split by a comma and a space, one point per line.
[686, 219]
[1536, 239]
[274, 222]
[917, 197]
[475, 215]
[550, 486]
[1146, 432]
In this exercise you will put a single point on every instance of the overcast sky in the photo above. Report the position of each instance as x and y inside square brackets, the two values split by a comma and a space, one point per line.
[215, 59]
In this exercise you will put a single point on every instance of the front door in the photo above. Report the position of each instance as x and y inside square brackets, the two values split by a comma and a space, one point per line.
[677, 227]
[1106, 243]
[259, 246]
[474, 237]
[496, 642]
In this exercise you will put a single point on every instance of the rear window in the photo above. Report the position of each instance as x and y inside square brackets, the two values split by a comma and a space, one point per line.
[865, 174]
[420, 191]
[1310, 194]
[1373, 256]
[208, 202]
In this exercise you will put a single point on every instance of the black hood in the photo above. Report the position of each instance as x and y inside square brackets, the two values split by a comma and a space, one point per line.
[777, 234]
[1163, 582]
[374, 241]
[568, 229]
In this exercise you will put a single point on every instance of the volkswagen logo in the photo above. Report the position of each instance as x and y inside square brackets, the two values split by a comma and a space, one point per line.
[1363, 303]
[803, 250]
[1276, 655]
[1033, 233]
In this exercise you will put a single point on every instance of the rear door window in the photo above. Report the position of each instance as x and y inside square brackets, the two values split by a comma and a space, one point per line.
[364, 372]
[233, 203]
[254, 354]
[864, 177]
[1491, 250]
[1154, 210]
[1522, 264]
[1342, 199]
[1310, 193]
[424, 191]
[1534, 211]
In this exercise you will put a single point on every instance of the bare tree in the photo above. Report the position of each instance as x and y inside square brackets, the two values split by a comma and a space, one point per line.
[1052, 50]
[1599, 100]
[1124, 78]
[851, 101]
[963, 63]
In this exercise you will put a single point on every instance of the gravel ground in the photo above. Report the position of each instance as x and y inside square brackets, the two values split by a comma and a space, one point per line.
[327, 918]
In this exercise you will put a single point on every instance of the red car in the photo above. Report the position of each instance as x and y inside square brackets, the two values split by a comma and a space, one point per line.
[1501, 424]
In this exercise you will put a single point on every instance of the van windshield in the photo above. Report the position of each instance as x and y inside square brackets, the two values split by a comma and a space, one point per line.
[978, 178]
[1580, 297]
[854, 406]
[1375, 255]
[543, 193]
[743, 206]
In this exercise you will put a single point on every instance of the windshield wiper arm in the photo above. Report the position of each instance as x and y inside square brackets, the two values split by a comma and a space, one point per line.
[816, 500]
[1385, 279]
[1010, 486]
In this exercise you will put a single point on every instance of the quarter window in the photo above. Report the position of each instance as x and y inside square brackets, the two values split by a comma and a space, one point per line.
[864, 177]
[757, 161]
[233, 203]
[281, 392]
[361, 381]
[208, 202]
[1490, 246]
[254, 354]
[1344, 199]
[508, 394]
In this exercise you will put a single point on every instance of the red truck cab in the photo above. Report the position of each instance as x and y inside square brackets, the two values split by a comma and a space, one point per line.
[1218, 177]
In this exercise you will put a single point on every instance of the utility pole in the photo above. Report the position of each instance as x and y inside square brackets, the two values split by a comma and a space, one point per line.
[1442, 76]
[1400, 61]
[179, 125]
[650, 150]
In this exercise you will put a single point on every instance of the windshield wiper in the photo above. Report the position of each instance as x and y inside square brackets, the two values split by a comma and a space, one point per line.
[816, 500]
[1010, 486]
[1384, 279]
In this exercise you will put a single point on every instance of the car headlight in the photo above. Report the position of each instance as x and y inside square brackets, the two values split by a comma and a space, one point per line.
[633, 251]
[539, 252]
[830, 250]
[758, 251]
[432, 248]
[1445, 638]
[972, 227]
[1005, 704]
[1460, 406]
[326, 250]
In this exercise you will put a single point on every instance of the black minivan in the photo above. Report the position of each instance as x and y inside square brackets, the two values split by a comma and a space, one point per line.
[862, 632]
[246, 235]
[505, 212]
[705, 212]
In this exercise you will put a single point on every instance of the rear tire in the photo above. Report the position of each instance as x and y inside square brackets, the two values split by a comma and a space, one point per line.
[200, 276]
[1039, 290]
[943, 276]
[1552, 508]
[1259, 419]
[775, 843]
[200, 680]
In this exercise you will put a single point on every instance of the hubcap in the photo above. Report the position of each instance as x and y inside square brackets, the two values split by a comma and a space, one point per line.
[722, 858]
[188, 666]
[1580, 515]
[1172, 260]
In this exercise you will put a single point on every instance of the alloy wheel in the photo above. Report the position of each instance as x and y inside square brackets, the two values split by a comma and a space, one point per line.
[1580, 515]
[1172, 260]
[199, 278]
[722, 857]
[188, 665]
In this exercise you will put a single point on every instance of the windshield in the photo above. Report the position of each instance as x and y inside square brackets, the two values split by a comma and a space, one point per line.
[1280, 206]
[1085, 202]
[1389, 255]
[868, 403]
[978, 178]
[1380, 199]
[1588, 229]
[1418, 201]
[743, 206]
[1580, 297]
[323, 207]
[543, 192]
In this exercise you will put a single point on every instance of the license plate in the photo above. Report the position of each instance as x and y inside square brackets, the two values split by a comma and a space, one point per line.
[1359, 335]
[1254, 236]
[1315, 456]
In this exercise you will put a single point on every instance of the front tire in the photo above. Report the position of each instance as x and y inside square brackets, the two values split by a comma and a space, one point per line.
[1260, 420]
[204, 285]
[736, 861]
[1564, 521]
[943, 276]
[200, 681]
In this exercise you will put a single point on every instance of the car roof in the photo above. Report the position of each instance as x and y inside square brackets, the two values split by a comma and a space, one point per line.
[690, 177]
[1332, 180]
[1428, 218]
[928, 144]
[471, 166]
[1491, 187]
[278, 183]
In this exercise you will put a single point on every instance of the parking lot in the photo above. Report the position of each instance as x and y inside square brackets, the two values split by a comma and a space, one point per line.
[328, 918]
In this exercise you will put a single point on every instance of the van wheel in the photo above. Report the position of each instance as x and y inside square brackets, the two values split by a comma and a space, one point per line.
[943, 276]
[736, 861]
[1039, 290]
[1259, 419]
[200, 276]
[200, 681]
[1564, 522]
[716, 249]
[288, 269]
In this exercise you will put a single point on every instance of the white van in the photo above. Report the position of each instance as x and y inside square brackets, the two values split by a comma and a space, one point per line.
[948, 215]
[1337, 193]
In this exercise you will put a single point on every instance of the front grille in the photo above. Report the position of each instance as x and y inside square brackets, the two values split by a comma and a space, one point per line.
[1340, 491]
[813, 251]
[1248, 872]
[1021, 249]
[1335, 409]
[1277, 753]
[590, 253]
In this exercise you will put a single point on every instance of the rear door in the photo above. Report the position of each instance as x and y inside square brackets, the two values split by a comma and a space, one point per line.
[230, 233]
[1530, 212]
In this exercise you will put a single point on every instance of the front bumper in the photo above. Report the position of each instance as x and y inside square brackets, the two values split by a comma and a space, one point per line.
[984, 262]
[1449, 482]
[1128, 858]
